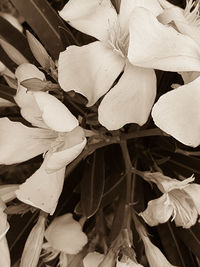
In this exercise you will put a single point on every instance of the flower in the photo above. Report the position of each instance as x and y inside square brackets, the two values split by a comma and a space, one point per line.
[64, 235]
[57, 134]
[92, 69]
[93, 259]
[177, 112]
[154, 256]
[180, 200]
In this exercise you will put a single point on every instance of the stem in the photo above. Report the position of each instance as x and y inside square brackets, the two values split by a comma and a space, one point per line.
[128, 167]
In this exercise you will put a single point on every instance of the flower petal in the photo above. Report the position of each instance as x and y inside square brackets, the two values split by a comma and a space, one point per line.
[154, 255]
[19, 143]
[74, 143]
[177, 113]
[136, 88]
[4, 252]
[54, 113]
[42, 190]
[154, 45]
[193, 190]
[7, 192]
[185, 213]
[165, 183]
[4, 226]
[93, 259]
[66, 235]
[158, 211]
[127, 6]
[93, 17]
[89, 70]
[24, 99]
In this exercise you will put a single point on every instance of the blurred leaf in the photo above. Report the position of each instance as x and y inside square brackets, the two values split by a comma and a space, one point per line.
[15, 38]
[191, 238]
[7, 92]
[92, 184]
[11, 82]
[119, 215]
[44, 21]
[176, 252]
[13, 53]
[6, 60]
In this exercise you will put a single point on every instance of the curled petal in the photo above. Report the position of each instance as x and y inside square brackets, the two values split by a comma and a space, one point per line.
[154, 45]
[20, 143]
[158, 211]
[93, 259]
[24, 99]
[165, 183]
[177, 113]
[136, 88]
[94, 17]
[54, 113]
[185, 213]
[193, 190]
[42, 190]
[89, 70]
[127, 6]
[65, 234]
[70, 147]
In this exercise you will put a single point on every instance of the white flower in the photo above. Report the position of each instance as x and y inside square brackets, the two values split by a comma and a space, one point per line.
[65, 235]
[93, 259]
[128, 263]
[180, 200]
[57, 134]
[93, 69]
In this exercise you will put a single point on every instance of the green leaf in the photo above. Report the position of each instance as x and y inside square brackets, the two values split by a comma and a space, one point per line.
[16, 39]
[44, 21]
[92, 184]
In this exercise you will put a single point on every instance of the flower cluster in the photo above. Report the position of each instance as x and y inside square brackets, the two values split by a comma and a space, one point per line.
[116, 73]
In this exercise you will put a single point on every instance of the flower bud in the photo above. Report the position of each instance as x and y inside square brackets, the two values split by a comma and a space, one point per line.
[65, 234]
[33, 246]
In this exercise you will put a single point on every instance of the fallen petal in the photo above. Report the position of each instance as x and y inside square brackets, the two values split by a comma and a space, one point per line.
[137, 89]
[89, 70]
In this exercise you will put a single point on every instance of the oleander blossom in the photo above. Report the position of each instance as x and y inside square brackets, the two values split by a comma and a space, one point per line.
[56, 133]
[93, 69]
[64, 236]
[131, 44]
[177, 112]
[180, 200]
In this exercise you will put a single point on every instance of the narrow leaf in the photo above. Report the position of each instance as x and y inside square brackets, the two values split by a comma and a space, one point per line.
[13, 53]
[67, 37]
[92, 184]
[7, 93]
[17, 39]
[6, 60]
[44, 22]
[191, 238]
[120, 210]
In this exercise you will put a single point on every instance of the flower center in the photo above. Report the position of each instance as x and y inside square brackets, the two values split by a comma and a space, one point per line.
[119, 40]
